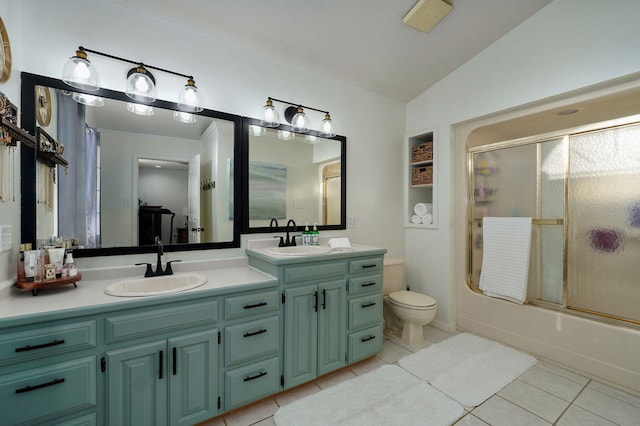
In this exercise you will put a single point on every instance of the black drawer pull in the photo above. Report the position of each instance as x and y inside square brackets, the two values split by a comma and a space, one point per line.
[368, 305]
[256, 305]
[369, 284]
[255, 333]
[161, 362]
[43, 385]
[44, 345]
[373, 265]
[366, 339]
[257, 376]
[175, 361]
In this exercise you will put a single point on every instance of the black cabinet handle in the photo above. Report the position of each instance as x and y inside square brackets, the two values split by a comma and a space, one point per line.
[369, 266]
[315, 301]
[40, 386]
[255, 333]
[366, 339]
[161, 362]
[368, 305]
[324, 298]
[249, 378]
[175, 361]
[369, 284]
[256, 305]
[44, 345]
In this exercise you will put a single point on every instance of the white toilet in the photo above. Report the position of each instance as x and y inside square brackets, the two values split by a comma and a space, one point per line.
[405, 312]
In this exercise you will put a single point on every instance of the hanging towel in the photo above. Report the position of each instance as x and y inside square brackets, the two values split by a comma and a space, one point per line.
[422, 209]
[505, 257]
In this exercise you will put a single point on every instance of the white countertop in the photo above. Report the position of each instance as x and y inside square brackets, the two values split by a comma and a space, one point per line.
[222, 276]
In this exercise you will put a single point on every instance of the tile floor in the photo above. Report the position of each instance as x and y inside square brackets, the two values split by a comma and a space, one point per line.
[544, 395]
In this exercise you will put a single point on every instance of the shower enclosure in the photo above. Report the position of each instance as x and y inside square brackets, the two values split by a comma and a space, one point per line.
[582, 189]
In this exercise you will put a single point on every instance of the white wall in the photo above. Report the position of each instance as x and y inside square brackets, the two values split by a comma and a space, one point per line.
[567, 45]
[235, 81]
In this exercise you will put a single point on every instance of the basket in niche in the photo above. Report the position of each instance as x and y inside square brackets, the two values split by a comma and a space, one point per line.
[422, 175]
[422, 152]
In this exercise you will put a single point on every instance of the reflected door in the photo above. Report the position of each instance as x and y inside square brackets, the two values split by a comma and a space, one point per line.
[194, 200]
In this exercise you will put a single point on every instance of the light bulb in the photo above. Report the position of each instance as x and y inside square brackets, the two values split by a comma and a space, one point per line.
[184, 117]
[139, 109]
[140, 84]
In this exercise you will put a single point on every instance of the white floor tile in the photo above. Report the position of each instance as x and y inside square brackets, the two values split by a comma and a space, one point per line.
[252, 414]
[296, 393]
[534, 400]
[470, 420]
[435, 335]
[576, 416]
[335, 378]
[500, 412]
[616, 393]
[392, 353]
[610, 408]
[266, 422]
[551, 382]
[367, 366]
[567, 374]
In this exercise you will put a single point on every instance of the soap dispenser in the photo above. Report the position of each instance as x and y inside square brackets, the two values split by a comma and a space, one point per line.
[306, 235]
[315, 235]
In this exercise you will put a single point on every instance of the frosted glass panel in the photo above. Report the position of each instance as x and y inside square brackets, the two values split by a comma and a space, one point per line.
[604, 231]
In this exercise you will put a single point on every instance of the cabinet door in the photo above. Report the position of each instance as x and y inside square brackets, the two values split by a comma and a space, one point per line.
[332, 307]
[137, 385]
[193, 377]
[301, 335]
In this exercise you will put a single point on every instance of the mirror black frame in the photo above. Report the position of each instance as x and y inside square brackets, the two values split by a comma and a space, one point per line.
[28, 159]
[246, 229]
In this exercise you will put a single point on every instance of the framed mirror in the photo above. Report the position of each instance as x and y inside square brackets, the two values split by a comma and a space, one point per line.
[292, 176]
[130, 177]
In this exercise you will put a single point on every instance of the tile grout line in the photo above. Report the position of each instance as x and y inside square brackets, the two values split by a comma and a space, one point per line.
[573, 401]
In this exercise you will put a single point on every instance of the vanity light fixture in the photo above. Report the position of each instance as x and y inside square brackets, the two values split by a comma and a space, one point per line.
[78, 72]
[296, 116]
[184, 117]
[139, 109]
[86, 99]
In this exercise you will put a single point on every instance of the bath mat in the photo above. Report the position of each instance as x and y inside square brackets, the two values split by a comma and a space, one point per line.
[468, 368]
[385, 396]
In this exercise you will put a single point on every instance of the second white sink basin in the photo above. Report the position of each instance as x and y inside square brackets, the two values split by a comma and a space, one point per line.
[298, 250]
[154, 286]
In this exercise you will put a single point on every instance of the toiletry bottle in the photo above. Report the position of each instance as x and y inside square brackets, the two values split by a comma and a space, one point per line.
[69, 269]
[315, 235]
[306, 235]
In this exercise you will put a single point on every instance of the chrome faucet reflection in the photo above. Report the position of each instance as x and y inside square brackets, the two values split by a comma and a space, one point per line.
[158, 272]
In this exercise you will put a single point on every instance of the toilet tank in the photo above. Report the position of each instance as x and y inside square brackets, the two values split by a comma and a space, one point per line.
[393, 275]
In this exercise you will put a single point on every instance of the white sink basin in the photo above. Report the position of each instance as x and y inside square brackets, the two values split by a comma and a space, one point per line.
[154, 286]
[298, 250]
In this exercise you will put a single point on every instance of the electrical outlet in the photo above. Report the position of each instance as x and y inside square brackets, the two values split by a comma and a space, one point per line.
[351, 221]
[5, 237]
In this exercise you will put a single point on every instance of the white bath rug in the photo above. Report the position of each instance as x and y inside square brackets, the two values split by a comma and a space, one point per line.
[386, 396]
[468, 368]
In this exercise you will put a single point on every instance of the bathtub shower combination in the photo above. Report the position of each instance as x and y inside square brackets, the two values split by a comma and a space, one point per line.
[582, 190]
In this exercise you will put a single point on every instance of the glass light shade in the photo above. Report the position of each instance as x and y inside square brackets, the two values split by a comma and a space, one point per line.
[300, 122]
[139, 109]
[184, 117]
[326, 128]
[79, 73]
[286, 135]
[141, 85]
[269, 115]
[310, 139]
[190, 98]
[90, 100]
[257, 130]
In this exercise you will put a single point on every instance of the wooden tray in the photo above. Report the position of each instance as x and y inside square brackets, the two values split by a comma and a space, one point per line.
[35, 287]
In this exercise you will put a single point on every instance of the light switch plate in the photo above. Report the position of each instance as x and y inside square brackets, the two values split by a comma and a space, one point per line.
[5, 237]
[351, 221]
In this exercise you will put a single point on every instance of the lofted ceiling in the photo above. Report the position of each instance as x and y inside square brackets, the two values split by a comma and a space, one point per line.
[361, 42]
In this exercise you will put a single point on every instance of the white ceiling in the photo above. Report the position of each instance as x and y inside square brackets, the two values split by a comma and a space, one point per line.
[361, 42]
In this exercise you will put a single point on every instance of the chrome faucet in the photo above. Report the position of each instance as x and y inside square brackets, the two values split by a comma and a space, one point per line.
[158, 272]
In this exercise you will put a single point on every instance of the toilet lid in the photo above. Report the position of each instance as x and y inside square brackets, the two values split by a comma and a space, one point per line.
[412, 298]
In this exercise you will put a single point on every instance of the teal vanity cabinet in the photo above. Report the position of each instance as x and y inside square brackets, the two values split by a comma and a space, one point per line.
[252, 347]
[331, 307]
[151, 376]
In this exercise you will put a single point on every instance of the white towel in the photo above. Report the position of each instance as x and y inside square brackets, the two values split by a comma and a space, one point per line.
[427, 219]
[340, 243]
[422, 209]
[505, 257]
[416, 219]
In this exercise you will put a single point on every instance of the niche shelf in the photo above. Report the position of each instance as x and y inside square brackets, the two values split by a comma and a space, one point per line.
[420, 170]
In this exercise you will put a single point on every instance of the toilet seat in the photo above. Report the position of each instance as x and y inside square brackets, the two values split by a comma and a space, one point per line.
[412, 300]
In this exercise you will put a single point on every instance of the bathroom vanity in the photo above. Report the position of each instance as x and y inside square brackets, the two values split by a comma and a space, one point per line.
[82, 357]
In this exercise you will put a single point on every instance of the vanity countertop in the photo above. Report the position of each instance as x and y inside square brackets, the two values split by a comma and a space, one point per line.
[223, 276]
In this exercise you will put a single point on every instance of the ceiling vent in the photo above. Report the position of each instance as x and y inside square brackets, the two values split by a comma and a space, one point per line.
[427, 13]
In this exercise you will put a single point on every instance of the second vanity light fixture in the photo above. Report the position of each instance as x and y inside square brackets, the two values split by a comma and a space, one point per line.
[78, 72]
[269, 117]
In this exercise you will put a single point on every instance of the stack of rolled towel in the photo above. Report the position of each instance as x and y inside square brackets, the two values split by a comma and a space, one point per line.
[423, 213]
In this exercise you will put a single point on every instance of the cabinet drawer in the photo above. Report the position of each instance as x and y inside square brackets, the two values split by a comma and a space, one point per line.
[365, 265]
[314, 272]
[250, 304]
[252, 340]
[365, 343]
[247, 384]
[366, 284]
[49, 391]
[366, 310]
[86, 420]
[46, 341]
[125, 327]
